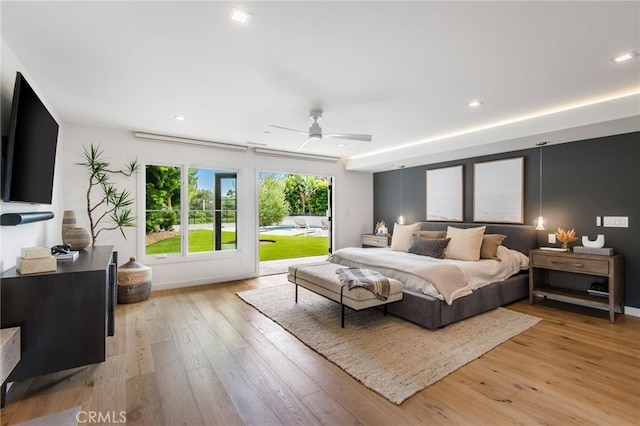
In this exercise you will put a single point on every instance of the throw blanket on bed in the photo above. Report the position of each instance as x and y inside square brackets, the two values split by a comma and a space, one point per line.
[450, 281]
[371, 280]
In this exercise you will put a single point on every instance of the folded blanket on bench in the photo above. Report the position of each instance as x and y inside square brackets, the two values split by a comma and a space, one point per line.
[369, 279]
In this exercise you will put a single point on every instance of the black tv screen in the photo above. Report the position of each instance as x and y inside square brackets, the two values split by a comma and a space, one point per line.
[31, 148]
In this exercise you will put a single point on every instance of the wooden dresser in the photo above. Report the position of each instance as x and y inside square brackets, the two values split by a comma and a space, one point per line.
[375, 240]
[608, 269]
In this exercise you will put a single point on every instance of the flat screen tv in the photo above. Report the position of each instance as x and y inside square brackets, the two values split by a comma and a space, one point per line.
[30, 152]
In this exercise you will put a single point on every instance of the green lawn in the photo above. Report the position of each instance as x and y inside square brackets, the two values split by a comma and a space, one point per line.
[199, 240]
[285, 247]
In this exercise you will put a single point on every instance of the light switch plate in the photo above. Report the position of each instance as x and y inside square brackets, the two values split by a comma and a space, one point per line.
[552, 238]
[598, 220]
[616, 221]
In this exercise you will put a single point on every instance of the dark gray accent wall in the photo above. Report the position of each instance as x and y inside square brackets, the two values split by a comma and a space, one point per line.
[581, 180]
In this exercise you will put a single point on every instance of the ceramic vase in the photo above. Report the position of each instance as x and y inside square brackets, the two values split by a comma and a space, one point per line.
[79, 238]
[68, 221]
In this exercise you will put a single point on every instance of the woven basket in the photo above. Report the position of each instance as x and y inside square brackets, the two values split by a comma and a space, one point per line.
[134, 282]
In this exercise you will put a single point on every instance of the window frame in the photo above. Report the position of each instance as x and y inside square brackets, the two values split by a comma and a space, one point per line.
[184, 255]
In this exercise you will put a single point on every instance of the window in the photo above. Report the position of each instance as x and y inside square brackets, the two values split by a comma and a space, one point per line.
[189, 210]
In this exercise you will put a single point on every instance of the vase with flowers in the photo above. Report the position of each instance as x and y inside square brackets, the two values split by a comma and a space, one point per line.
[565, 237]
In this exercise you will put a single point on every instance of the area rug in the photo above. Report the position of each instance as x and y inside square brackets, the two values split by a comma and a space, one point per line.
[393, 357]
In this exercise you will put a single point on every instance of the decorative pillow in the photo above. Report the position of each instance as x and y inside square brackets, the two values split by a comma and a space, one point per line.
[401, 239]
[490, 244]
[465, 243]
[432, 247]
[431, 234]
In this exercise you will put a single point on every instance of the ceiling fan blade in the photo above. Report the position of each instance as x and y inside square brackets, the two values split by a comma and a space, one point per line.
[292, 130]
[305, 144]
[361, 138]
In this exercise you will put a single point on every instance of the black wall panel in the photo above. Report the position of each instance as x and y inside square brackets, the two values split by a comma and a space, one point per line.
[581, 180]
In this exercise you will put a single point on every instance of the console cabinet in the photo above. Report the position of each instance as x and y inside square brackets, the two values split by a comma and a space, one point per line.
[64, 316]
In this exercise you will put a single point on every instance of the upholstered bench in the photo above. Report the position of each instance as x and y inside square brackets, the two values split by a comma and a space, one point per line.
[321, 278]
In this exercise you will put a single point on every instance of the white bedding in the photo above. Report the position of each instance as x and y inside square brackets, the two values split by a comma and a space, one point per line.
[412, 269]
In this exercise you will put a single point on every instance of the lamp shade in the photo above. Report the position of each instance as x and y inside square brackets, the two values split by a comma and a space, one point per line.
[540, 223]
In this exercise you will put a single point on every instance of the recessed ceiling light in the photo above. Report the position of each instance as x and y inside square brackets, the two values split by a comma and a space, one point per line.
[475, 103]
[240, 16]
[625, 57]
[342, 145]
[180, 117]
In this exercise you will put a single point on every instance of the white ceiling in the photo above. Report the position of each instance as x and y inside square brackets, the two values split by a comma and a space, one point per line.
[401, 71]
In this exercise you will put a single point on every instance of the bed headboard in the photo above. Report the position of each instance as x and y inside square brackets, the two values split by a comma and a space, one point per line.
[519, 237]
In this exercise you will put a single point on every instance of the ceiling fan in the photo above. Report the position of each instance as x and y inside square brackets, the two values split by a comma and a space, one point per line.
[315, 131]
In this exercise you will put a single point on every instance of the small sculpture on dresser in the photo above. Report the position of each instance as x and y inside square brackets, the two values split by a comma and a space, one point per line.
[597, 243]
[381, 228]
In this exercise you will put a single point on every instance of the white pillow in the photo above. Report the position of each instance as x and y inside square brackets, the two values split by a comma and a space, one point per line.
[465, 244]
[518, 258]
[402, 235]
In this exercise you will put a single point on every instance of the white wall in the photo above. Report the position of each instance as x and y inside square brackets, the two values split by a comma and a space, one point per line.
[353, 209]
[47, 233]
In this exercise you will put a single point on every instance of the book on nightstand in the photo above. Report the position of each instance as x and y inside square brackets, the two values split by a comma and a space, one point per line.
[604, 251]
[598, 293]
[73, 255]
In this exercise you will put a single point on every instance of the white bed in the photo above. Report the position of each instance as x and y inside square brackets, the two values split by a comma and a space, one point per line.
[413, 270]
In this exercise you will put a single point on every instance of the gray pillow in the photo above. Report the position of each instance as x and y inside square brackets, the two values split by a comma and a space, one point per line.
[432, 247]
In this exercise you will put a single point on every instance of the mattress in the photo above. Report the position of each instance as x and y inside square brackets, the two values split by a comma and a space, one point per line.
[413, 270]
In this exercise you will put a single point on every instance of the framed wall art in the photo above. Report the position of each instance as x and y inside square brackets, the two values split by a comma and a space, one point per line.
[498, 188]
[445, 194]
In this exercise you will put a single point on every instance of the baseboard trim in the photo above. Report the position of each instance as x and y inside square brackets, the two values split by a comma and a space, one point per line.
[193, 283]
[631, 311]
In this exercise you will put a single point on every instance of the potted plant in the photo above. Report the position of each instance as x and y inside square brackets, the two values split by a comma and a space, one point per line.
[111, 208]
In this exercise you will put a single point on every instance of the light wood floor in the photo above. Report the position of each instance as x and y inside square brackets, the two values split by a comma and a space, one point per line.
[202, 356]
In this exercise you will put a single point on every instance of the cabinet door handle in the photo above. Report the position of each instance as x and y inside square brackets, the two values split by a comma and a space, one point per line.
[577, 265]
[113, 297]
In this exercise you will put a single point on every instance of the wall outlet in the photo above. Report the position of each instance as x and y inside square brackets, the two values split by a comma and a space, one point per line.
[616, 221]
[552, 238]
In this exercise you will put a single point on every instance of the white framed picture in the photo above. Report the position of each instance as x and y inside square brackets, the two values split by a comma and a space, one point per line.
[498, 191]
[445, 197]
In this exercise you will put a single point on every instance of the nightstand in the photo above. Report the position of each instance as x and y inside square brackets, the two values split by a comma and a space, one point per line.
[541, 262]
[374, 240]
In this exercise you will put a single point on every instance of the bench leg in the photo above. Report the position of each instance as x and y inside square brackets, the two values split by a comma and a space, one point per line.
[384, 309]
[3, 394]
[342, 307]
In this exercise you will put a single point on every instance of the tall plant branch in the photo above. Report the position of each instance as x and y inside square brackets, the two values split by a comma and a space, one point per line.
[116, 204]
